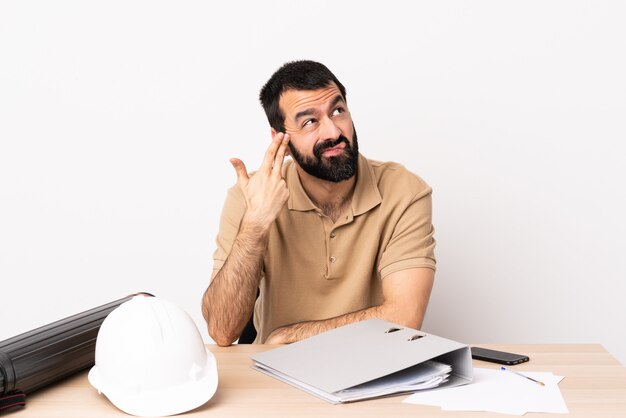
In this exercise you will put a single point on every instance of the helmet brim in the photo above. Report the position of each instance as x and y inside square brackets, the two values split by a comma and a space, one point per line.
[163, 402]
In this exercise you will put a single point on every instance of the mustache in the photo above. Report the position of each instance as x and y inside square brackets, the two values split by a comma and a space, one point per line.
[321, 147]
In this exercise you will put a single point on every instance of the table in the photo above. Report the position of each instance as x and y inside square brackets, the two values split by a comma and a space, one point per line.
[594, 386]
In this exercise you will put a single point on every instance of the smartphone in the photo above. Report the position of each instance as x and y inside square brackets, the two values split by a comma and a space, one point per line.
[500, 357]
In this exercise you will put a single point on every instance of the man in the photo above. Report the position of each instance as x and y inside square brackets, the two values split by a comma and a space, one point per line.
[329, 238]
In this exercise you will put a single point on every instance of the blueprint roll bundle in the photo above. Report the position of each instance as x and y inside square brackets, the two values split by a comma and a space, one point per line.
[44, 355]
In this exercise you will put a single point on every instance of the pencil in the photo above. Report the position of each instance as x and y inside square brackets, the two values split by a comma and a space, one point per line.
[539, 382]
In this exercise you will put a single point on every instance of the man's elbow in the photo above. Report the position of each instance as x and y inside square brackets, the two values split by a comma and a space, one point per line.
[223, 341]
[219, 331]
[221, 338]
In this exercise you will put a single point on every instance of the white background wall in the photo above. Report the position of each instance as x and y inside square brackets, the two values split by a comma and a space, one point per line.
[117, 120]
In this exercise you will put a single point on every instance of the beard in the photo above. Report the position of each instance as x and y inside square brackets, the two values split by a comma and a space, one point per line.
[336, 168]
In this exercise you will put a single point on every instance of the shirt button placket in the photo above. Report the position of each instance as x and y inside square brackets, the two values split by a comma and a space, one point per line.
[332, 258]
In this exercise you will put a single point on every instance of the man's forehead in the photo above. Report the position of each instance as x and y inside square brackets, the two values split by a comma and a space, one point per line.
[291, 101]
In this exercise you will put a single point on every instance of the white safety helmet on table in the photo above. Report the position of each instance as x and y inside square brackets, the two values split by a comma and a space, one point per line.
[151, 360]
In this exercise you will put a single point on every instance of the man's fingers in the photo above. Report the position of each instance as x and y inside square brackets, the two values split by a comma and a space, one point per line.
[240, 168]
[270, 154]
[280, 155]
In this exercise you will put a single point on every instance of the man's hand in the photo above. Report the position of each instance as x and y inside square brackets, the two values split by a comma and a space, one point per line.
[265, 192]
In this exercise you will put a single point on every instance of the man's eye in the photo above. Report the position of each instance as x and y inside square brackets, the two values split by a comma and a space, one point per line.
[338, 111]
[308, 122]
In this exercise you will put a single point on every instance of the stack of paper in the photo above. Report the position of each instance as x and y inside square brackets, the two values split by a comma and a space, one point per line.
[427, 375]
[499, 391]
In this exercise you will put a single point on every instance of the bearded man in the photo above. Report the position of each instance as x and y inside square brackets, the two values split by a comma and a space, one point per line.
[324, 239]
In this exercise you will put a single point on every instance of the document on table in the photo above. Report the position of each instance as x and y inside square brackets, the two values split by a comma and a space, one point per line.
[495, 390]
[427, 375]
[368, 359]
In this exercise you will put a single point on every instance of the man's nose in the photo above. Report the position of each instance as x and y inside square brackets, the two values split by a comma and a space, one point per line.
[329, 130]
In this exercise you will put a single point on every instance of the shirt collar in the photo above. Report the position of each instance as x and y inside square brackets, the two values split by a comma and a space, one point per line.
[366, 194]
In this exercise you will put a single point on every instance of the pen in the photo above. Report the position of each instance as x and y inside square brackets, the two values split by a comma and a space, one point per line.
[539, 382]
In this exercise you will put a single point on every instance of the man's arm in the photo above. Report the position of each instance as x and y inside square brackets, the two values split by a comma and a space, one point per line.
[229, 299]
[405, 297]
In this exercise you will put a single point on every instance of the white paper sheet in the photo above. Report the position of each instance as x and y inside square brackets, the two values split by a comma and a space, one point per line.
[499, 391]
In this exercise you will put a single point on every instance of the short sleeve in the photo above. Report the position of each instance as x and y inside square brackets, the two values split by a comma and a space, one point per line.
[230, 221]
[412, 243]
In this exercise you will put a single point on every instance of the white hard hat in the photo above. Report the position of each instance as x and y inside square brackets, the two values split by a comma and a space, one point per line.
[151, 360]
